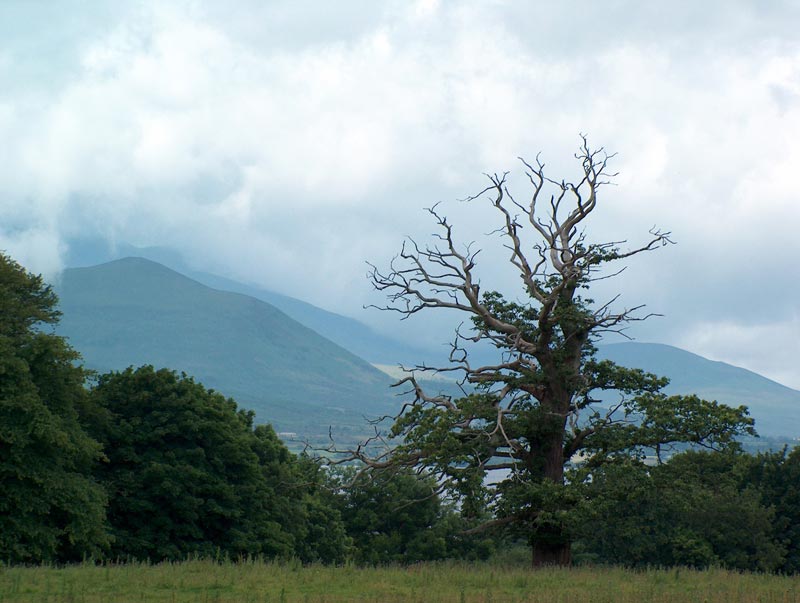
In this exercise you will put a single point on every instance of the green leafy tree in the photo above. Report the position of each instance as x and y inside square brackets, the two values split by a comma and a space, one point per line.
[399, 517]
[299, 496]
[695, 510]
[187, 472]
[776, 475]
[321, 533]
[524, 416]
[51, 509]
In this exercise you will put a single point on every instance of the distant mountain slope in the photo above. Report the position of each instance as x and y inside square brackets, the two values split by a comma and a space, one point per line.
[775, 407]
[346, 332]
[134, 311]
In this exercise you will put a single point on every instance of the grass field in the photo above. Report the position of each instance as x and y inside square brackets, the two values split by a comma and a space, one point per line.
[210, 582]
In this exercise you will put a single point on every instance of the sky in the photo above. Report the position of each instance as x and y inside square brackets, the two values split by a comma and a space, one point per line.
[287, 143]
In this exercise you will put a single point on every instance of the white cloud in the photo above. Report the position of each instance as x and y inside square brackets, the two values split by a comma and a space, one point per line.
[288, 145]
[769, 349]
[37, 249]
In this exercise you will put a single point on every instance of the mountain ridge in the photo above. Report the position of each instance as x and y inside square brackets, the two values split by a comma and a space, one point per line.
[775, 406]
[134, 311]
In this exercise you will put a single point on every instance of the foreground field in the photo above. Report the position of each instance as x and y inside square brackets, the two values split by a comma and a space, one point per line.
[210, 582]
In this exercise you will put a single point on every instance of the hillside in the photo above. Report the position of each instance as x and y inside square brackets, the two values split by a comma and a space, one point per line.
[347, 332]
[134, 311]
[775, 407]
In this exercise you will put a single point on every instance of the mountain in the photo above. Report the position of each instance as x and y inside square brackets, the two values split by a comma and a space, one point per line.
[775, 407]
[347, 332]
[134, 311]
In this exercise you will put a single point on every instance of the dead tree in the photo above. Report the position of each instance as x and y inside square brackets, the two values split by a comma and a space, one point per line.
[533, 410]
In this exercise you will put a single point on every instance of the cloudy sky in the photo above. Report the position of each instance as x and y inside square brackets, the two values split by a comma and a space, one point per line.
[286, 143]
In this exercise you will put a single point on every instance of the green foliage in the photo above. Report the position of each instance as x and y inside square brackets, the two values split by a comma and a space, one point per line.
[398, 517]
[25, 300]
[776, 476]
[188, 475]
[320, 531]
[696, 510]
[651, 420]
[772, 405]
[175, 469]
[51, 509]
[462, 442]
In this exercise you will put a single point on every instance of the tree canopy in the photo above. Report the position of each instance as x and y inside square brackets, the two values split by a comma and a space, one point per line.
[776, 477]
[699, 509]
[51, 508]
[400, 518]
[188, 473]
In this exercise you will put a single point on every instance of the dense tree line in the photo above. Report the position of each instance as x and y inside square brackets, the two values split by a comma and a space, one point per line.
[399, 518]
[148, 464]
[51, 506]
[700, 509]
[187, 473]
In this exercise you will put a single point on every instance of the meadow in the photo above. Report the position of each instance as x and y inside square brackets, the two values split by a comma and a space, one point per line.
[202, 581]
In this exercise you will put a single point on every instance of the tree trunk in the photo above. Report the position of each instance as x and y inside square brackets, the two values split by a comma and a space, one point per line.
[556, 553]
[550, 544]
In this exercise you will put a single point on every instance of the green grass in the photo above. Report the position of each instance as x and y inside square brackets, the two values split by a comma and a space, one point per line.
[210, 582]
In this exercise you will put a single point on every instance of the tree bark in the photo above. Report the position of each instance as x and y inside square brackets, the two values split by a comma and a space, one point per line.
[546, 553]
[550, 544]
